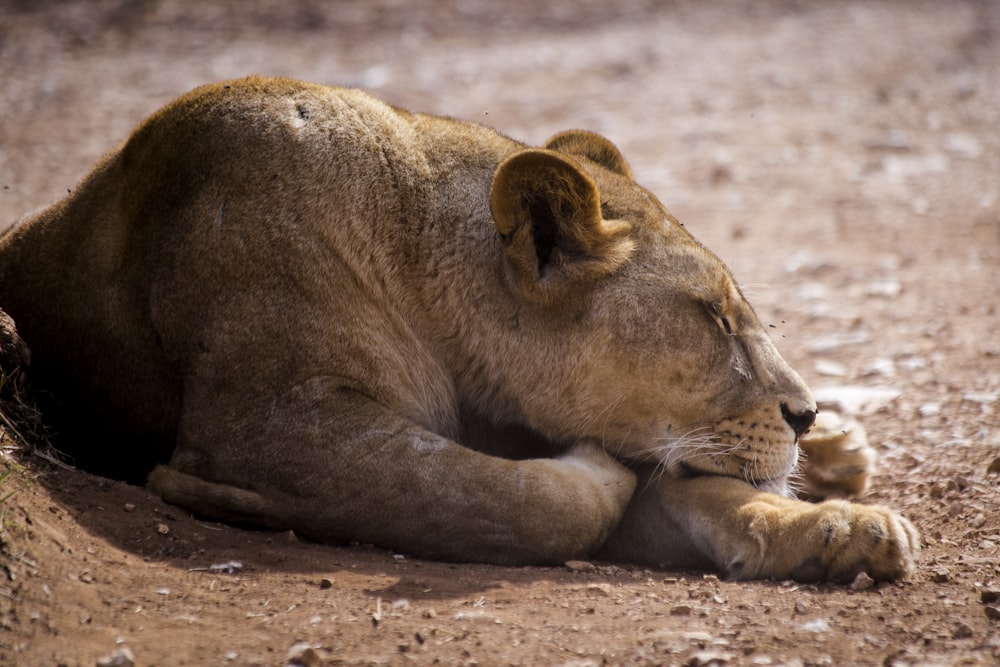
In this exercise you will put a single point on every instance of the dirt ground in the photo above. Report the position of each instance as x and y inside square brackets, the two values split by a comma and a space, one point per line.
[843, 158]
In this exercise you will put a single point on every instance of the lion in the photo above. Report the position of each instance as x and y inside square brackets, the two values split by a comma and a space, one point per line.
[294, 306]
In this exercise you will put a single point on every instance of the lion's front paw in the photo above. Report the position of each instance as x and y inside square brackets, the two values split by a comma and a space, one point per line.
[837, 540]
[611, 480]
[837, 458]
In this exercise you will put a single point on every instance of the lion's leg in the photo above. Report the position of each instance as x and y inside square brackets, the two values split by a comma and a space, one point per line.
[339, 466]
[728, 525]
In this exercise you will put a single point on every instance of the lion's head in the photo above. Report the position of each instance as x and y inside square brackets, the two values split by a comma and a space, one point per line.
[661, 357]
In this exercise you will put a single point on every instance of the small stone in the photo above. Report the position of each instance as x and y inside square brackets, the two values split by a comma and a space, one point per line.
[801, 607]
[978, 521]
[988, 595]
[121, 658]
[994, 467]
[818, 625]
[680, 610]
[129, 507]
[325, 584]
[929, 410]
[603, 589]
[962, 631]
[710, 658]
[862, 582]
[941, 575]
[230, 567]
[992, 612]
[830, 368]
[302, 654]
[162, 528]
[579, 566]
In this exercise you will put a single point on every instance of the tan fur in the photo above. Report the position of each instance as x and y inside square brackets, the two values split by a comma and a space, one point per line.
[318, 312]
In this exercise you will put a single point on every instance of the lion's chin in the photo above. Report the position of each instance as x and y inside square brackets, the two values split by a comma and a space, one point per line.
[777, 485]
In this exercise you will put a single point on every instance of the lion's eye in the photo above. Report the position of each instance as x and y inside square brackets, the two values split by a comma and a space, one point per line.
[724, 322]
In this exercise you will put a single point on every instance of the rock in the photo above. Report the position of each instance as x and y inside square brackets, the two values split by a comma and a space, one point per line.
[229, 567]
[302, 654]
[835, 341]
[121, 658]
[818, 625]
[862, 582]
[940, 575]
[579, 566]
[929, 410]
[988, 596]
[710, 658]
[994, 467]
[603, 589]
[830, 368]
[680, 610]
[162, 528]
[962, 631]
[992, 612]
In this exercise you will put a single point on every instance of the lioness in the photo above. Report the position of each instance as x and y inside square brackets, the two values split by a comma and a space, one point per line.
[313, 311]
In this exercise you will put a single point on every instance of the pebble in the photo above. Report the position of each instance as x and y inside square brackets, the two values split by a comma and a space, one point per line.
[129, 507]
[941, 575]
[929, 409]
[302, 654]
[862, 582]
[603, 589]
[121, 658]
[994, 467]
[817, 625]
[830, 368]
[710, 658]
[835, 341]
[162, 528]
[988, 595]
[579, 566]
[962, 631]
[992, 612]
[680, 610]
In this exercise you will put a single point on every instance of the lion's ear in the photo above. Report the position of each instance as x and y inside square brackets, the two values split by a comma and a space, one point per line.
[591, 146]
[548, 213]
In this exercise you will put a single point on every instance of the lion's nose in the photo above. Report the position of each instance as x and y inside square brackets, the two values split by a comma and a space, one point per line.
[800, 421]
